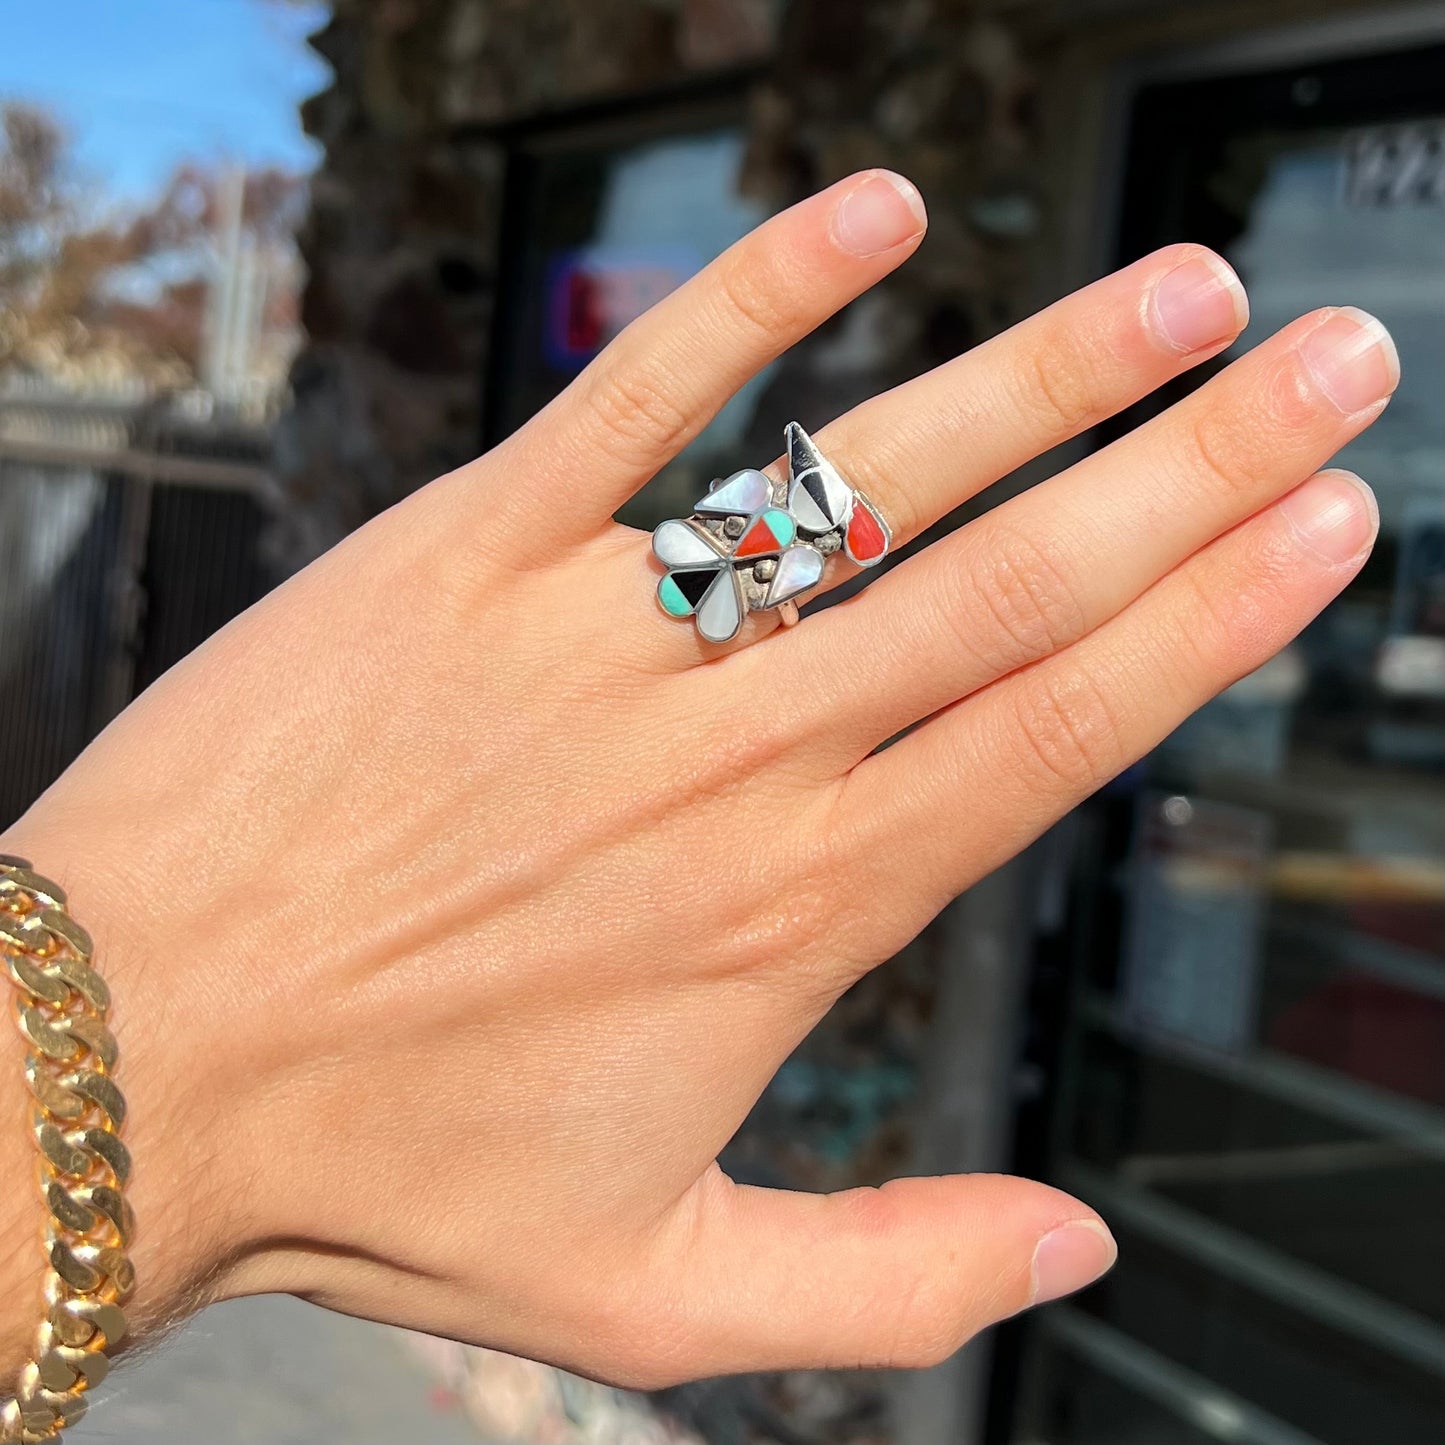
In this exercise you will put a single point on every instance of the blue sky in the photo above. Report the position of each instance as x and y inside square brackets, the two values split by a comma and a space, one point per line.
[142, 85]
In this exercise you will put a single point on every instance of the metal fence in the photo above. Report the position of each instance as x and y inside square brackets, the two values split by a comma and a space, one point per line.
[130, 529]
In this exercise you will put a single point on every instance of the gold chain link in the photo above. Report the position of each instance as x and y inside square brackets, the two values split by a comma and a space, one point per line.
[61, 1005]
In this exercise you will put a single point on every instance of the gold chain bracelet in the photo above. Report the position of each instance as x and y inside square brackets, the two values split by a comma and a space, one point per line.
[61, 1007]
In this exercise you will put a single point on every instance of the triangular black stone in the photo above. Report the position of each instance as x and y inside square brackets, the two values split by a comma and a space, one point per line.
[803, 456]
[692, 585]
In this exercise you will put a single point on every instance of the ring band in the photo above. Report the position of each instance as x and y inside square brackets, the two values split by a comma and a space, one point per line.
[754, 545]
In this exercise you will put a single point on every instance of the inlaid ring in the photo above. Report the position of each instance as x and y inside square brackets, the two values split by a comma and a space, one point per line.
[754, 545]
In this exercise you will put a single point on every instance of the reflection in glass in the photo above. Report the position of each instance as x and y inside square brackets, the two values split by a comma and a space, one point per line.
[1255, 1060]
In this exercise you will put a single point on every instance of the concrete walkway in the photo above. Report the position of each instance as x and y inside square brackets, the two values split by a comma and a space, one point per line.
[274, 1371]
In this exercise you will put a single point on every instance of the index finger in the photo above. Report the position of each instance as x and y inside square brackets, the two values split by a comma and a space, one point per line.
[670, 372]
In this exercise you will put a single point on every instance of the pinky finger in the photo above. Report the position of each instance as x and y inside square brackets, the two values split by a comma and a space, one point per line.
[981, 780]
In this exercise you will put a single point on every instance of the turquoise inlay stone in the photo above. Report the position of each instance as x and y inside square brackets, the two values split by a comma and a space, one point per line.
[673, 602]
[781, 525]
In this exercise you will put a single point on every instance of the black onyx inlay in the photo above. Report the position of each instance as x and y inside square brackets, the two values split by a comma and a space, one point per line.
[692, 585]
[803, 456]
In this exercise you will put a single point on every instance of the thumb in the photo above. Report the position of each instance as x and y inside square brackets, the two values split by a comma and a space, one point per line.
[897, 1276]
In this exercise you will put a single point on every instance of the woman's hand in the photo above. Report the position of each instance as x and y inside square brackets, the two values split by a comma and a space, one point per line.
[458, 904]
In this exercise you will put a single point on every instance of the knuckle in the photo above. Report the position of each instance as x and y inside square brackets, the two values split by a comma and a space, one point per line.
[1070, 731]
[638, 420]
[925, 1319]
[1031, 599]
[759, 299]
[1213, 617]
[1238, 438]
[1057, 386]
[1219, 447]
[1231, 624]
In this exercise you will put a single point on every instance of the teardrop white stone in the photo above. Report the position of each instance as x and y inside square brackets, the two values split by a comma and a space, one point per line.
[675, 544]
[741, 494]
[799, 568]
[720, 613]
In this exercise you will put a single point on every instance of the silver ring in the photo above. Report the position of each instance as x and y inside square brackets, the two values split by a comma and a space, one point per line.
[752, 544]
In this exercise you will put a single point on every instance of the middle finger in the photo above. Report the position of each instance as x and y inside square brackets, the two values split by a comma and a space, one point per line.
[1049, 566]
[927, 446]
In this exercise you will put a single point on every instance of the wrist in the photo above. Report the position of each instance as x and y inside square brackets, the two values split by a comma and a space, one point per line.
[188, 1239]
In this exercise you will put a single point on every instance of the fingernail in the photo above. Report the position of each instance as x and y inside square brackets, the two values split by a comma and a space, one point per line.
[1334, 514]
[1198, 303]
[1069, 1257]
[1352, 359]
[882, 212]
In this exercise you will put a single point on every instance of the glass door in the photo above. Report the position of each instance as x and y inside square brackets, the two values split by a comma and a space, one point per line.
[1249, 1060]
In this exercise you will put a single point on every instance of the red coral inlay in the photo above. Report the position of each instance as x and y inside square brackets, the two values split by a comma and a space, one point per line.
[759, 540]
[865, 536]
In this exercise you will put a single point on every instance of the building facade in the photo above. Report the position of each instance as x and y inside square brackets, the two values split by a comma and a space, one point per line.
[1212, 1002]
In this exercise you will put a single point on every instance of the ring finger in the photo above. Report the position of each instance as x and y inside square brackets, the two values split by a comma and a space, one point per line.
[985, 776]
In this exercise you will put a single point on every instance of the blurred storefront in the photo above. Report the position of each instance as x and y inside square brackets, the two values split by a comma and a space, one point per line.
[1212, 1001]
[1248, 1066]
